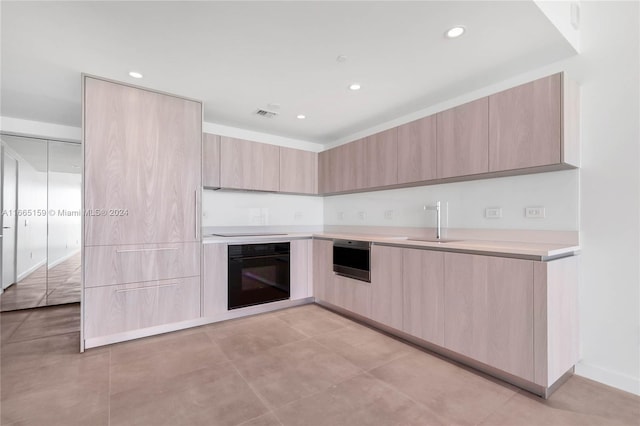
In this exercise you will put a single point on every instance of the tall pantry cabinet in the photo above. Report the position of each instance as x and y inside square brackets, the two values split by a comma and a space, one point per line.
[142, 188]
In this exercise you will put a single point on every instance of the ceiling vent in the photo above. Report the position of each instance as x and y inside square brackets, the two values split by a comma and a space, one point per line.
[266, 114]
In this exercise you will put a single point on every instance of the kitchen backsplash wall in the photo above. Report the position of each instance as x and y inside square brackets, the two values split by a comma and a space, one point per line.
[237, 209]
[464, 204]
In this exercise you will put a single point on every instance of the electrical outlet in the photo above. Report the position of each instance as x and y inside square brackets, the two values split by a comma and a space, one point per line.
[493, 212]
[297, 215]
[534, 212]
[388, 214]
[361, 215]
[340, 215]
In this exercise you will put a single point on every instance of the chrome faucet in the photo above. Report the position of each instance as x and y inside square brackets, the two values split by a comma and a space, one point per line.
[438, 218]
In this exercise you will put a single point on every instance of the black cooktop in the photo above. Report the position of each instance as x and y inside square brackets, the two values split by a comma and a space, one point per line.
[249, 234]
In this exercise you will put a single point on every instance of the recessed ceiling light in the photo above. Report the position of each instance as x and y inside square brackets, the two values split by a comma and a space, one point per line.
[454, 32]
[354, 86]
[135, 74]
[301, 116]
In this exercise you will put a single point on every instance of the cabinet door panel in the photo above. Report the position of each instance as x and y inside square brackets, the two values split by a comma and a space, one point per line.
[489, 311]
[142, 165]
[463, 139]
[353, 295]
[211, 160]
[423, 284]
[108, 265]
[126, 307]
[417, 150]
[323, 276]
[386, 285]
[300, 269]
[214, 279]
[249, 165]
[381, 159]
[298, 171]
[525, 125]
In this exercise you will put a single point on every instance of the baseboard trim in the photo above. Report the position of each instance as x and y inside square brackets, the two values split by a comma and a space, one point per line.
[30, 270]
[610, 378]
[62, 259]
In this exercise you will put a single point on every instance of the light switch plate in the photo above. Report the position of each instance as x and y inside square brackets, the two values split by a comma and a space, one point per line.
[534, 212]
[388, 214]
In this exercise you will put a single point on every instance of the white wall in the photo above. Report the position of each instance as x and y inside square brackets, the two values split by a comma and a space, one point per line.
[464, 204]
[610, 193]
[64, 230]
[235, 208]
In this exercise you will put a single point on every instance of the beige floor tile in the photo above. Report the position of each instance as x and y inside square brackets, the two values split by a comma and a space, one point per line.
[579, 402]
[142, 364]
[287, 373]
[313, 320]
[48, 322]
[268, 419]
[362, 400]
[252, 336]
[65, 393]
[363, 346]
[210, 396]
[456, 394]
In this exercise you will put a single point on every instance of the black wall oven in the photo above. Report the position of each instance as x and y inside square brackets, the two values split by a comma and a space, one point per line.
[352, 259]
[258, 273]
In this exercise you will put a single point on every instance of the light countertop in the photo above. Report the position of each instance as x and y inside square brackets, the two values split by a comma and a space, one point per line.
[525, 250]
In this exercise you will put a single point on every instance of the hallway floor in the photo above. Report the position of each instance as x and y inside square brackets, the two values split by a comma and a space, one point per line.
[299, 366]
[59, 286]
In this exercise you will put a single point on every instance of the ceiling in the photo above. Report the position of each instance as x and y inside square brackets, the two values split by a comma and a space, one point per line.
[240, 56]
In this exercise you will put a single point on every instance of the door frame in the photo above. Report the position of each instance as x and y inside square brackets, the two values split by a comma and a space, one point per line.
[15, 221]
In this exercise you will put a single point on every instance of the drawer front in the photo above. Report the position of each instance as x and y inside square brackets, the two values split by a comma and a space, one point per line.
[120, 308]
[109, 265]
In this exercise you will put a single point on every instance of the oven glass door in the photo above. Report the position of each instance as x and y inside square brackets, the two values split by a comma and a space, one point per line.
[258, 279]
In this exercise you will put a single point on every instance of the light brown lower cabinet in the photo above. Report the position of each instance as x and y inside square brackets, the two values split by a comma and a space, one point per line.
[127, 307]
[214, 279]
[300, 260]
[323, 276]
[352, 295]
[387, 285]
[423, 294]
[488, 308]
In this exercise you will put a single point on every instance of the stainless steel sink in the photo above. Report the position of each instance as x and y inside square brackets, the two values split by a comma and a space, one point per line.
[432, 240]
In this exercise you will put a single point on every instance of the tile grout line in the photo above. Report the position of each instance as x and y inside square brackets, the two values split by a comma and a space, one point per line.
[517, 392]
[257, 394]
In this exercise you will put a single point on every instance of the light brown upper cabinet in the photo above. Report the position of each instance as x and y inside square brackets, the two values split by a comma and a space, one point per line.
[463, 140]
[210, 160]
[417, 150]
[381, 159]
[298, 171]
[342, 168]
[249, 165]
[526, 127]
[143, 156]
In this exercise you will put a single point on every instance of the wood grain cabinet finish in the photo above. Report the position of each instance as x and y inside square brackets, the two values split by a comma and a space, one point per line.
[109, 265]
[423, 294]
[353, 295]
[463, 140]
[323, 276]
[525, 125]
[342, 168]
[249, 165]
[489, 311]
[381, 159]
[142, 170]
[121, 308]
[214, 279]
[210, 160]
[386, 285]
[417, 151]
[301, 269]
[298, 171]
